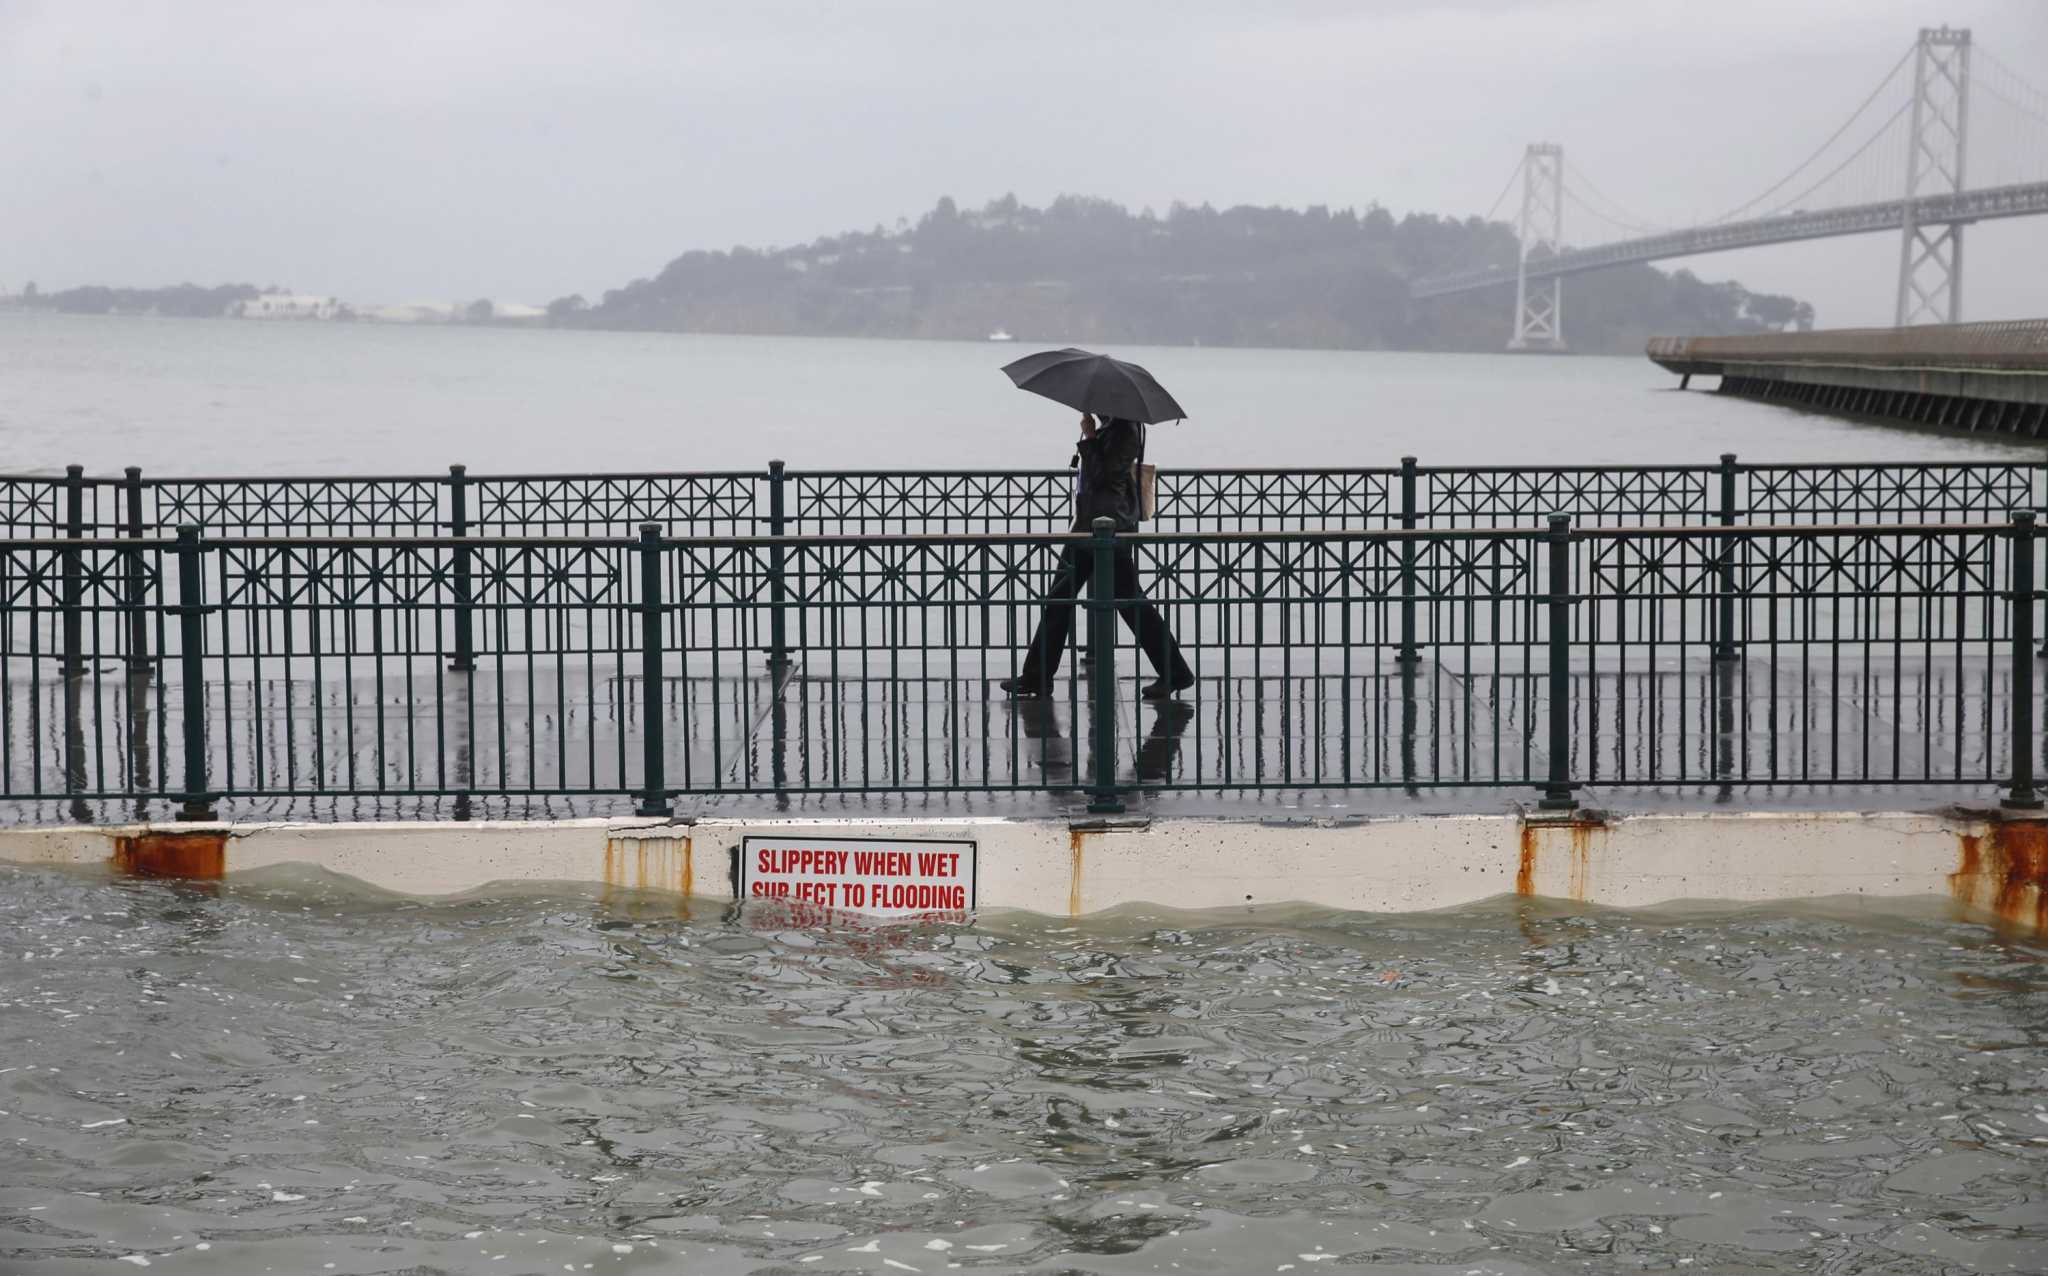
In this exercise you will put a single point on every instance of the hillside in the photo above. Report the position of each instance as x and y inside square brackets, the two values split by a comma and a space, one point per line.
[1088, 270]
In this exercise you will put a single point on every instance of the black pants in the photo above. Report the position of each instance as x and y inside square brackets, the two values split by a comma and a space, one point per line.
[1077, 564]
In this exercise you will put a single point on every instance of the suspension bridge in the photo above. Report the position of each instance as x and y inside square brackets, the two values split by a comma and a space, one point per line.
[1949, 136]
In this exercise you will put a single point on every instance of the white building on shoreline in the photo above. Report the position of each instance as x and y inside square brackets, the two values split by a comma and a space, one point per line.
[281, 305]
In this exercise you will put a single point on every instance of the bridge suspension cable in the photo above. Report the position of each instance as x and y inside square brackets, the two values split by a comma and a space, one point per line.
[1820, 150]
[1514, 175]
[1588, 198]
[1884, 170]
[1576, 181]
[2008, 125]
[2012, 87]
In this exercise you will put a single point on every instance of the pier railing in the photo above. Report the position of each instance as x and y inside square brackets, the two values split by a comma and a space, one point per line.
[567, 672]
[778, 500]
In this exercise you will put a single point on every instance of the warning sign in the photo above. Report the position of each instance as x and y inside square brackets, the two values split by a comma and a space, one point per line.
[882, 877]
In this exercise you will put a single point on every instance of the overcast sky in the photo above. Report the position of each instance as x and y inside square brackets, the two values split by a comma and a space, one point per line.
[525, 149]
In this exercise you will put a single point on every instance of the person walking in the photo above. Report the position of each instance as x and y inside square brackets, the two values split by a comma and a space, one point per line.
[1106, 487]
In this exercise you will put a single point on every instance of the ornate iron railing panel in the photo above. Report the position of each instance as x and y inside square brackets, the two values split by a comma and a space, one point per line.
[80, 717]
[995, 502]
[880, 503]
[293, 506]
[712, 504]
[409, 674]
[1310, 672]
[1592, 496]
[1276, 500]
[32, 505]
[1866, 656]
[1779, 495]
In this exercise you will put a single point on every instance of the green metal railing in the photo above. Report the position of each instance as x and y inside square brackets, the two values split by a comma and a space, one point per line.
[426, 670]
[779, 500]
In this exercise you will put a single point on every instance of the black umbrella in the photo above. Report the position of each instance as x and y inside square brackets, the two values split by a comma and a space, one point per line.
[1095, 383]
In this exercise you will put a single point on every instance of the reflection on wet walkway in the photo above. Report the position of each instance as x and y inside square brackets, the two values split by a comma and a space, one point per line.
[548, 741]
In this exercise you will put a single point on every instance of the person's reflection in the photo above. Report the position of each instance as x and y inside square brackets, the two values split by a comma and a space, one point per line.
[1038, 719]
[1162, 743]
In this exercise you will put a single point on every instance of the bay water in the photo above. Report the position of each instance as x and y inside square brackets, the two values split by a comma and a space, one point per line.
[198, 397]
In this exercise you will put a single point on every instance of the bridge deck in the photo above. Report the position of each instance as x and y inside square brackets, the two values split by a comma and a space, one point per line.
[2025, 199]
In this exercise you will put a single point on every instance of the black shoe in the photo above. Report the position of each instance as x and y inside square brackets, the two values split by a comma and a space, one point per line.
[1023, 688]
[1161, 689]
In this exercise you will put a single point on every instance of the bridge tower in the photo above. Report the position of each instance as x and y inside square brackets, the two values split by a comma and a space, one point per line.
[1931, 258]
[1539, 307]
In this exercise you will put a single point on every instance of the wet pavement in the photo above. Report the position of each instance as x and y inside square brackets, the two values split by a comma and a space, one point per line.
[548, 741]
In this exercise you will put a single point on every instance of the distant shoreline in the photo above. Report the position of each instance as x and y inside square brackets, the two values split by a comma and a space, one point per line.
[1016, 344]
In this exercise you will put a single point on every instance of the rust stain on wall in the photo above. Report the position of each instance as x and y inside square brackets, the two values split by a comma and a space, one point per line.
[1582, 860]
[1579, 845]
[1075, 841]
[201, 856]
[2005, 870]
[664, 864]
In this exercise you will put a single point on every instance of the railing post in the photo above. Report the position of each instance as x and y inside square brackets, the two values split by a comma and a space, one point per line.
[778, 592]
[2021, 795]
[1557, 791]
[1102, 794]
[654, 787]
[1408, 654]
[74, 572]
[137, 593]
[192, 662]
[458, 527]
[1724, 612]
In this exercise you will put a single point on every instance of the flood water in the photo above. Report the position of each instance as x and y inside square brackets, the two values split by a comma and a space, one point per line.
[288, 1074]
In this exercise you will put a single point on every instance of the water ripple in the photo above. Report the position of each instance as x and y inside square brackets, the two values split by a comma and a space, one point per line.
[289, 1072]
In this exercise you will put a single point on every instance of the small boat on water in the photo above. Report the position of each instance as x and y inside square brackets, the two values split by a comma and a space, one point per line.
[1000, 335]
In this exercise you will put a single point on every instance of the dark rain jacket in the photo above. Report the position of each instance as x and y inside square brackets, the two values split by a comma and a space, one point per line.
[1107, 485]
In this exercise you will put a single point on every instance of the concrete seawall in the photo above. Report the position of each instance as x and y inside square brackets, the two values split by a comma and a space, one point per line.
[1992, 868]
[1983, 376]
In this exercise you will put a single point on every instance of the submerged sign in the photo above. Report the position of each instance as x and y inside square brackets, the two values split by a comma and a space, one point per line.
[882, 877]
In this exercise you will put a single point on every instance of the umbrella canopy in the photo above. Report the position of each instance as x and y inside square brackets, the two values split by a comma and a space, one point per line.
[1095, 383]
